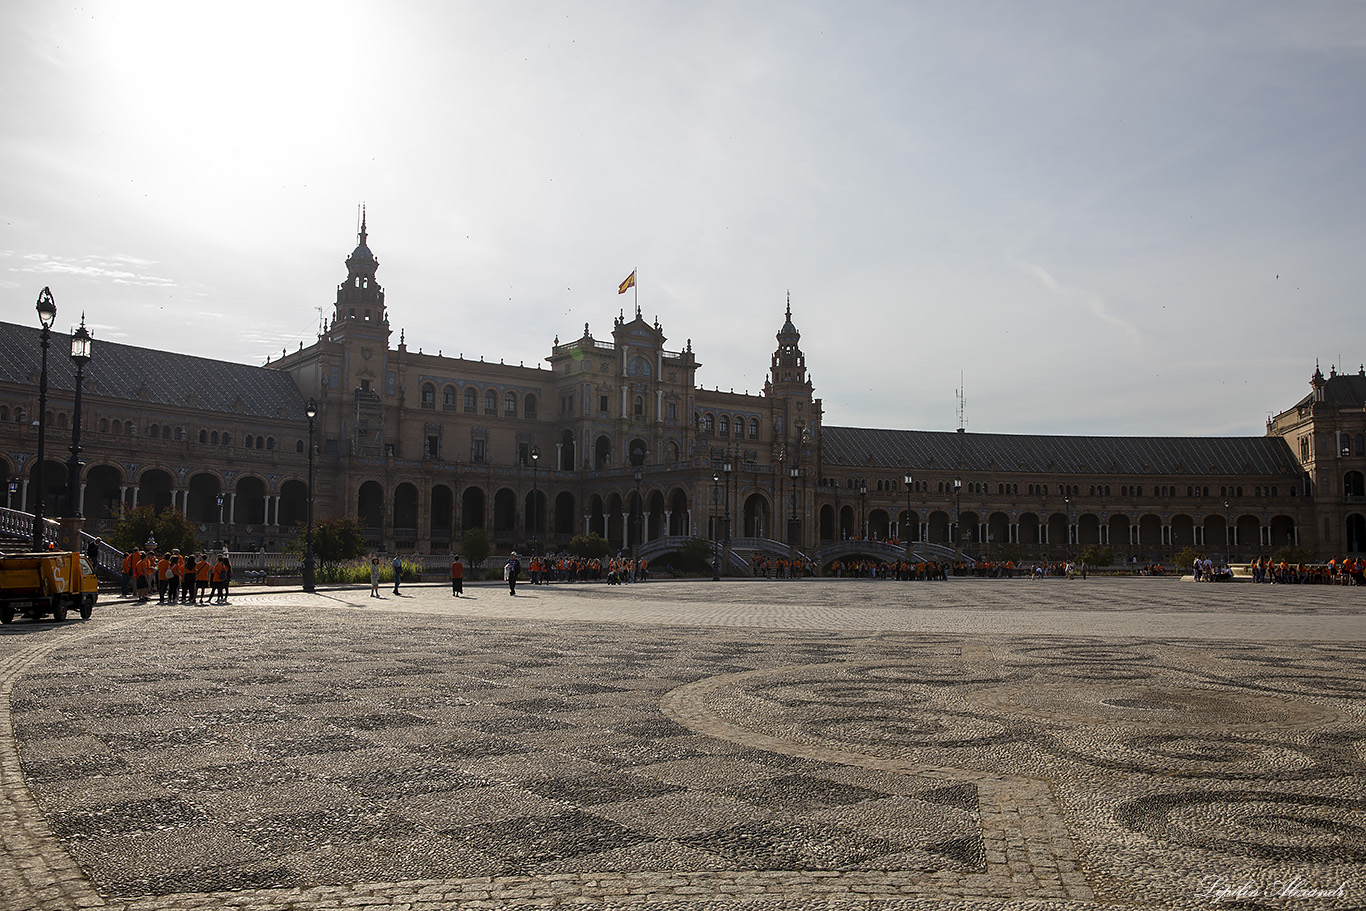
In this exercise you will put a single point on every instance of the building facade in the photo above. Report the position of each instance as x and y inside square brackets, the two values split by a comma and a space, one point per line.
[615, 436]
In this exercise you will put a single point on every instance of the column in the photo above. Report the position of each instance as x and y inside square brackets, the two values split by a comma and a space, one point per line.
[23, 496]
[232, 508]
[277, 510]
[587, 524]
[135, 496]
[667, 519]
[644, 526]
[80, 503]
[123, 497]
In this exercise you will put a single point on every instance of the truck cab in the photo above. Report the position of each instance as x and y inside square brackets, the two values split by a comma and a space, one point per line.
[50, 582]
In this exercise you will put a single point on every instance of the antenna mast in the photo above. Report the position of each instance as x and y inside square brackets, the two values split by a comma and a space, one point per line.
[961, 394]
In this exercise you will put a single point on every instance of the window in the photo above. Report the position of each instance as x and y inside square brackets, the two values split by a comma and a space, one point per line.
[640, 406]
[18, 415]
[725, 425]
[673, 411]
[428, 395]
[270, 442]
[433, 446]
[227, 439]
[523, 453]
[203, 435]
[602, 404]
[754, 428]
[471, 401]
[448, 398]
[154, 431]
[529, 407]
[299, 446]
[490, 402]
[213, 437]
[510, 404]
[477, 452]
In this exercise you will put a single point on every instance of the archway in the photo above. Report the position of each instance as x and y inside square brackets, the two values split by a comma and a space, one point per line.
[827, 520]
[939, 527]
[201, 499]
[678, 513]
[613, 508]
[154, 489]
[638, 451]
[102, 483]
[370, 505]
[250, 506]
[602, 453]
[565, 511]
[998, 528]
[1356, 533]
[504, 513]
[757, 524]
[293, 505]
[654, 503]
[879, 524]
[405, 511]
[472, 508]
[442, 514]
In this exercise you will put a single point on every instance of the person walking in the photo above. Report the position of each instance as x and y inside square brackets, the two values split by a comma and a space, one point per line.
[398, 571]
[510, 572]
[457, 576]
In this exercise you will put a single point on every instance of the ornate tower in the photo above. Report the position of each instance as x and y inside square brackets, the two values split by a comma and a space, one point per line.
[360, 297]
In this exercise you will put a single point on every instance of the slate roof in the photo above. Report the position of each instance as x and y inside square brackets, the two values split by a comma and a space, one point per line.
[920, 450]
[1344, 391]
[164, 378]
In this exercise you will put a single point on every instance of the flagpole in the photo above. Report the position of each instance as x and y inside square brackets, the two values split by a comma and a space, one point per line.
[636, 285]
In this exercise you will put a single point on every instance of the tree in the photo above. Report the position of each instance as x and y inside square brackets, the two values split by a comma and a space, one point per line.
[1095, 555]
[334, 541]
[589, 546]
[1293, 554]
[475, 546]
[170, 528]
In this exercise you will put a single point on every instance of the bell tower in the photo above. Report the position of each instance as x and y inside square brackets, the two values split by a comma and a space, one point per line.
[788, 372]
[360, 297]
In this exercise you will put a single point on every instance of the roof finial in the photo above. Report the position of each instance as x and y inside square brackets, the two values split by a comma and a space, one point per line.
[362, 223]
[789, 306]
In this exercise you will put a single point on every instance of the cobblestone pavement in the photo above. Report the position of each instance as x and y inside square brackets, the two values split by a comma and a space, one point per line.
[1129, 743]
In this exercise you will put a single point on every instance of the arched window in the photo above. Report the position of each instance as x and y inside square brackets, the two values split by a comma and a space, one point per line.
[471, 401]
[204, 436]
[529, 407]
[299, 446]
[154, 431]
[227, 439]
[270, 442]
[128, 428]
[18, 415]
[104, 424]
[510, 405]
[428, 395]
[4, 413]
[491, 402]
[725, 426]
[754, 428]
[213, 437]
[1360, 444]
[640, 406]
[448, 398]
[709, 422]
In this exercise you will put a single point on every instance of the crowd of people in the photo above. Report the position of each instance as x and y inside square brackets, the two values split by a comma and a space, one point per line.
[176, 579]
[1347, 571]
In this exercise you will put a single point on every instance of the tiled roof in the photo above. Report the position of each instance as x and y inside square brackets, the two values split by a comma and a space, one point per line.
[920, 450]
[1344, 391]
[151, 377]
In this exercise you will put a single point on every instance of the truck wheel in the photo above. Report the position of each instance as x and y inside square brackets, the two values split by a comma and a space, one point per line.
[87, 606]
[6, 613]
[59, 610]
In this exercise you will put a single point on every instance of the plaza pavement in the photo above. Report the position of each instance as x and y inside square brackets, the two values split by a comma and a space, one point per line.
[1106, 743]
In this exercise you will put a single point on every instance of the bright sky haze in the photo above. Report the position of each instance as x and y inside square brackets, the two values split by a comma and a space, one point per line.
[1137, 218]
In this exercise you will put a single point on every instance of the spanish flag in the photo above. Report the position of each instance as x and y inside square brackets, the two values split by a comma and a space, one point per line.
[629, 283]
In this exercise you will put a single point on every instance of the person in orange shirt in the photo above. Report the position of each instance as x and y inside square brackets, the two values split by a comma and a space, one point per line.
[142, 571]
[128, 572]
[219, 593]
[201, 578]
[163, 577]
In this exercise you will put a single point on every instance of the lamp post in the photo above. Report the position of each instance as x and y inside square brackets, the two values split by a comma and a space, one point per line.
[80, 356]
[1228, 532]
[47, 313]
[716, 547]
[863, 508]
[310, 581]
[905, 533]
[640, 514]
[726, 467]
[219, 500]
[1067, 509]
[535, 500]
[13, 489]
[793, 523]
[957, 510]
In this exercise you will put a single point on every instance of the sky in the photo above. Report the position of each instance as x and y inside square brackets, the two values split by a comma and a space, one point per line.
[1135, 217]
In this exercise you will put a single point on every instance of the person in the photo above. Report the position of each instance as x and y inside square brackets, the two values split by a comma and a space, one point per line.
[173, 580]
[510, 572]
[219, 594]
[92, 551]
[374, 578]
[398, 571]
[187, 579]
[201, 578]
[163, 576]
[457, 576]
[128, 560]
[142, 569]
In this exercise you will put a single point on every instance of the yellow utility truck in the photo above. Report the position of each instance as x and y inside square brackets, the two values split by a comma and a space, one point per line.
[51, 582]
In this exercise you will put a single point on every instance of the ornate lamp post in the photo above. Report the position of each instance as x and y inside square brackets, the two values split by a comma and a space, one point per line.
[794, 524]
[80, 356]
[535, 499]
[863, 508]
[640, 514]
[905, 532]
[47, 313]
[1067, 508]
[13, 489]
[219, 500]
[311, 411]
[726, 468]
[716, 547]
[957, 512]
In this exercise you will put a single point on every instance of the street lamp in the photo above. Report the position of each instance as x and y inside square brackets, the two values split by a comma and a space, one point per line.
[80, 356]
[640, 514]
[13, 489]
[715, 545]
[535, 498]
[958, 513]
[726, 469]
[47, 313]
[794, 523]
[905, 532]
[1067, 508]
[219, 500]
[1228, 531]
[310, 582]
[863, 508]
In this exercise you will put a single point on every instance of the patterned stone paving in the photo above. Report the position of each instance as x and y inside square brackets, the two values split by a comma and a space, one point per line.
[317, 751]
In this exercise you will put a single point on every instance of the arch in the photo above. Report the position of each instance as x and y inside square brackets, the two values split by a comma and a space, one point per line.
[370, 505]
[909, 525]
[293, 504]
[969, 527]
[827, 523]
[639, 450]
[1057, 530]
[504, 512]
[1354, 484]
[1149, 530]
[654, 506]
[404, 522]
[1088, 529]
[562, 520]
[757, 517]
[1029, 528]
[154, 488]
[441, 513]
[597, 516]
[472, 508]
[678, 512]
[510, 404]
[529, 406]
[1356, 533]
[1183, 530]
[1249, 531]
[1216, 532]
[566, 459]
[471, 400]
[449, 397]
[102, 500]
[250, 507]
[491, 402]
[998, 528]
[201, 498]
[1282, 531]
[1119, 530]
[848, 522]
[754, 428]
[671, 454]
[612, 513]
[428, 395]
[602, 452]
[535, 513]
[879, 524]
[724, 425]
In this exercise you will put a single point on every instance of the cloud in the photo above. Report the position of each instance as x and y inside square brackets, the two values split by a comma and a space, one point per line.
[114, 268]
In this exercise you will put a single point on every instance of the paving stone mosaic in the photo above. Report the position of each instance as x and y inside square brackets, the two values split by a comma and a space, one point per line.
[333, 754]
